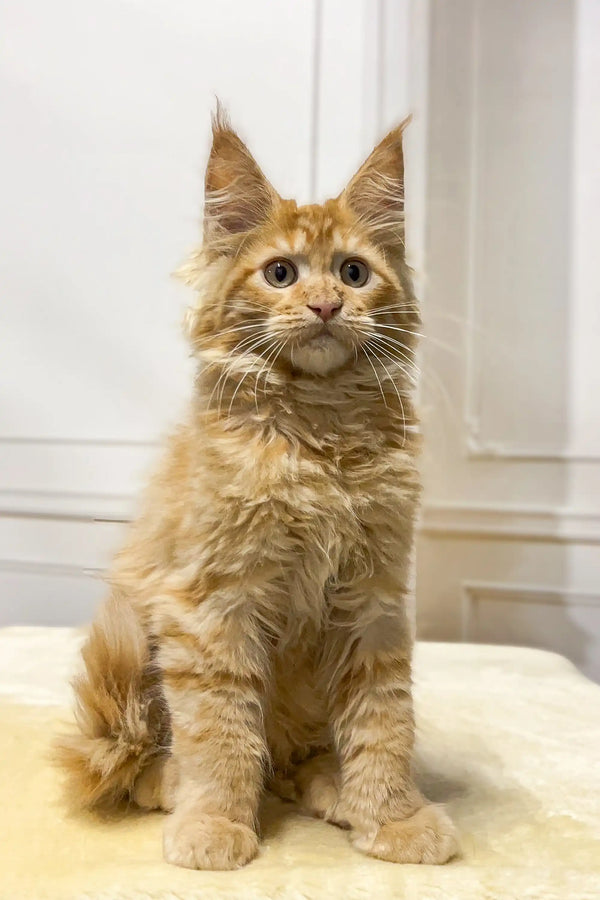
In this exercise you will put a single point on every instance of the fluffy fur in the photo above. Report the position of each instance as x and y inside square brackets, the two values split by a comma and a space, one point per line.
[258, 629]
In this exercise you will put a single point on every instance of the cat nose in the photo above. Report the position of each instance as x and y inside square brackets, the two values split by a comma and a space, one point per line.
[325, 309]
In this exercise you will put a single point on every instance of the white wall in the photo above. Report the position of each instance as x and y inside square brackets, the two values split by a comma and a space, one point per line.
[510, 550]
[105, 113]
[584, 425]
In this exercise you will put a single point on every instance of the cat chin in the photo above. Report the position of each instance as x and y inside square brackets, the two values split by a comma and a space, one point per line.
[321, 355]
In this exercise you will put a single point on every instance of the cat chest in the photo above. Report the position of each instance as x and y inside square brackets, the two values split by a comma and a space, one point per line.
[315, 517]
[327, 522]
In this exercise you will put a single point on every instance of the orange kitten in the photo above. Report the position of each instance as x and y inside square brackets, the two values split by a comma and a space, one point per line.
[257, 630]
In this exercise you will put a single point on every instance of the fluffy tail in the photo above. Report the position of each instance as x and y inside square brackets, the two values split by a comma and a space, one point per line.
[120, 748]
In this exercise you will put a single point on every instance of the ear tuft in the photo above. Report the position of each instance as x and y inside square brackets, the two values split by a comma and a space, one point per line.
[220, 118]
[376, 192]
[238, 197]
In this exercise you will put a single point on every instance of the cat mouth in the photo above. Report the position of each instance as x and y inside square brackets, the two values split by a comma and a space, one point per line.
[322, 334]
[321, 348]
[324, 337]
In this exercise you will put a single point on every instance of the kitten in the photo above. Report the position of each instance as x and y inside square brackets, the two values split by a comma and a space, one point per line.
[257, 630]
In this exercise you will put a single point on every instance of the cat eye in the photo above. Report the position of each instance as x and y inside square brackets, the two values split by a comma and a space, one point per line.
[354, 272]
[280, 273]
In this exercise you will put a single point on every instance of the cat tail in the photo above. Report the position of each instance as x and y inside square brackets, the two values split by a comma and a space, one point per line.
[119, 750]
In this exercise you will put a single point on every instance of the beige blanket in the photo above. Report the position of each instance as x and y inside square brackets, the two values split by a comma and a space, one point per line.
[509, 739]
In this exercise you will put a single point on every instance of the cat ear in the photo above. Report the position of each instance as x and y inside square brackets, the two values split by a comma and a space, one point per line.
[376, 192]
[238, 197]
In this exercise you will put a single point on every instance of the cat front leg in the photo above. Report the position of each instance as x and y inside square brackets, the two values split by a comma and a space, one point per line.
[373, 727]
[215, 668]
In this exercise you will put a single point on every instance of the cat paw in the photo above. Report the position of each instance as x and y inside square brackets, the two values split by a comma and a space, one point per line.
[317, 786]
[198, 841]
[427, 837]
[155, 787]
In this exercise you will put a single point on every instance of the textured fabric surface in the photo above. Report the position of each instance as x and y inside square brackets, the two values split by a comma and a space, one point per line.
[507, 738]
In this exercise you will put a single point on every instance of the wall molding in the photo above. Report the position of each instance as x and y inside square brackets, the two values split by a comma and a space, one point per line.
[75, 441]
[41, 475]
[58, 505]
[474, 592]
[510, 522]
[439, 520]
[477, 447]
[52, 570]
[486, 450]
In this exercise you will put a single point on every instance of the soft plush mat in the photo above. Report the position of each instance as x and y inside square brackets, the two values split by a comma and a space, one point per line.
[508, 738]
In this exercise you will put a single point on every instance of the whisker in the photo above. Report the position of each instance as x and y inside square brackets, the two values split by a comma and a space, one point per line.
[427, 337]
[393, 342]
[278, 350]
[432, 377]
[258, 324]
[251, 304]
[399, 362]
[397, 394]
[397, 347]
[394, 307]
[367, 352]
[397, 328]
[238, 347]
[244, 376]
[224, 376]
[469, 327]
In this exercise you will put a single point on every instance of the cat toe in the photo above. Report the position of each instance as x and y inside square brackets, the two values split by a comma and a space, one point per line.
[428, 837]
[208, 842]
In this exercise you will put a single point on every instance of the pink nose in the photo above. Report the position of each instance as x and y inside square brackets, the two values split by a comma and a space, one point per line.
[325, 309]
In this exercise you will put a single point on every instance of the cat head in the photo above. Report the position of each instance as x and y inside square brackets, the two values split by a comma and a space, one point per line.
[313, 289]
